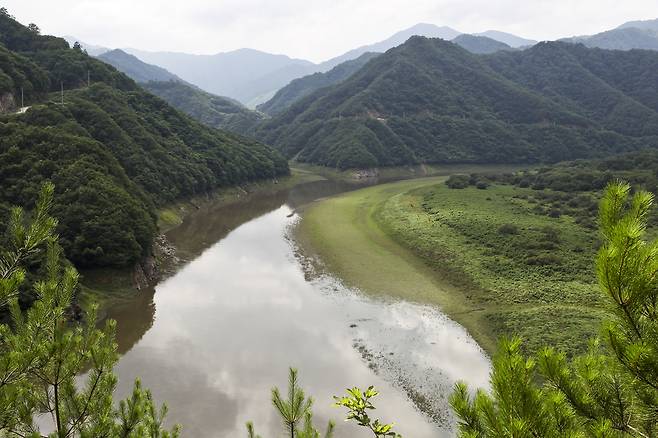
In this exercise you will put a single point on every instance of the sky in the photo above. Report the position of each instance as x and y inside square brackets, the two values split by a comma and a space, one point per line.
[310, 29]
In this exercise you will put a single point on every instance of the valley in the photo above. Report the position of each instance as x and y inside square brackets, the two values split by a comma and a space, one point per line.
[430, 232]
[244, 266]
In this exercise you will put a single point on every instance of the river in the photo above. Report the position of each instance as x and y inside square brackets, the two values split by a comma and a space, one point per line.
[213, 339]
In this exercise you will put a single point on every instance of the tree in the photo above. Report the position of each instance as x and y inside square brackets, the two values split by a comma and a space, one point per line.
[41, 353]
[77, 46]
[34, 28]
[293, 410]
[613, 389]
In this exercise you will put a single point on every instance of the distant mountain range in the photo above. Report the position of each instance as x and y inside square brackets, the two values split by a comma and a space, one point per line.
[253, 77]
[430, 101]
[480, 44]
[211, 110]
[630, 35]
[422, 29]
[507, 38]
[247, 75]
[137, 70]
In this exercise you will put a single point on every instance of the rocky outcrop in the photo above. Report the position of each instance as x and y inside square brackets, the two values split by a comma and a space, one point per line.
[156, 266]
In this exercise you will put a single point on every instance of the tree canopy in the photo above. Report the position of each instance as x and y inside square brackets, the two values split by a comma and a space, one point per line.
[430, 101]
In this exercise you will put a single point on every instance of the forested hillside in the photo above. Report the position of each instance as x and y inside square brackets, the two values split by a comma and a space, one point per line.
[209, 109]
[214, 111]
[114, 151]
[135, 69]
[306, 85]
[430, 101]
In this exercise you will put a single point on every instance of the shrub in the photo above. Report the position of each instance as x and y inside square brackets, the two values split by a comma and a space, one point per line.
[458, 181]
[508, 229]
[544, 260]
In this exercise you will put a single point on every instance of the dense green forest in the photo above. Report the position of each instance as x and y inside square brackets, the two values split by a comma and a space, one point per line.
[430, 101]
[114, 151]
[209, 109]
[306, 85]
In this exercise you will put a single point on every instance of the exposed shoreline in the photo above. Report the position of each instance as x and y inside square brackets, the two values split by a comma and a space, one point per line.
[342, 234]
[107, 287]
[390, 241]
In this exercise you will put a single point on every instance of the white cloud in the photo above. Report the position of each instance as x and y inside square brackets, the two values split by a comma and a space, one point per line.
[311, 29]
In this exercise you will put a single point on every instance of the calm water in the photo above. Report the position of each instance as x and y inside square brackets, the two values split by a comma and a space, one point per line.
[213, 339]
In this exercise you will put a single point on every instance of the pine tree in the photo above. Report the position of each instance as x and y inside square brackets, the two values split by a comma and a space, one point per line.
[293, 410]
[42, 353]
[610, 391]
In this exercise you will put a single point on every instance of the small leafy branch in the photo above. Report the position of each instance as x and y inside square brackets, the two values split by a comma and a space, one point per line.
[358, 404]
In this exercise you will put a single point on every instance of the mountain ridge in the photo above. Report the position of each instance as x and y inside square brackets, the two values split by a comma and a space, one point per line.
[114, 151]
[207, 108]
[430, 101]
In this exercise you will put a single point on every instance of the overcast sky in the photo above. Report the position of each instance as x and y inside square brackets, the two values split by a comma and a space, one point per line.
[310, 29]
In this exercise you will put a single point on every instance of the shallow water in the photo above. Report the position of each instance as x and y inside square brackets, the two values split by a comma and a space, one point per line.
[214, 338]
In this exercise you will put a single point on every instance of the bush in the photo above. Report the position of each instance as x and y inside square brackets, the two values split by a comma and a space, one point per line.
[458, 181]
[508, 229]
[544, 260]
[482, 185]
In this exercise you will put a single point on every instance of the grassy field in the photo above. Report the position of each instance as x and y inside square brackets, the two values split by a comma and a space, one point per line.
[489, 258]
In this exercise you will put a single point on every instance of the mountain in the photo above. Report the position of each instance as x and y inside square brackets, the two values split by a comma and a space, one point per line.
[304, 86]
[135, 69]
[91, 49]
[480, 44]
[626, 38]
[245, 75]
[253, 77]
[651, 25]
[430, 101]
[214, 111]
[114, 151]
[507, 38]
[421, 29]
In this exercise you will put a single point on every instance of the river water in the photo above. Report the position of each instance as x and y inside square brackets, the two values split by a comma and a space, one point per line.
[215, 337]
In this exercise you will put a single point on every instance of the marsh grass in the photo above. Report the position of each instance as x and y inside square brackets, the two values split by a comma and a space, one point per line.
[493, 259]
[527, 272]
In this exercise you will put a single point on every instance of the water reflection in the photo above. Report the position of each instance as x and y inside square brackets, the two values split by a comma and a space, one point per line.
[229, 324]
[205, 227]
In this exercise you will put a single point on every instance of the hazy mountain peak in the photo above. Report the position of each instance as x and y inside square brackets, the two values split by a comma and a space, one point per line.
[651, 25]
[426, 30]
[420, 29]
[507, 38]
[135, 68]
[480, 44]
[91, 49]
[623, 38]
